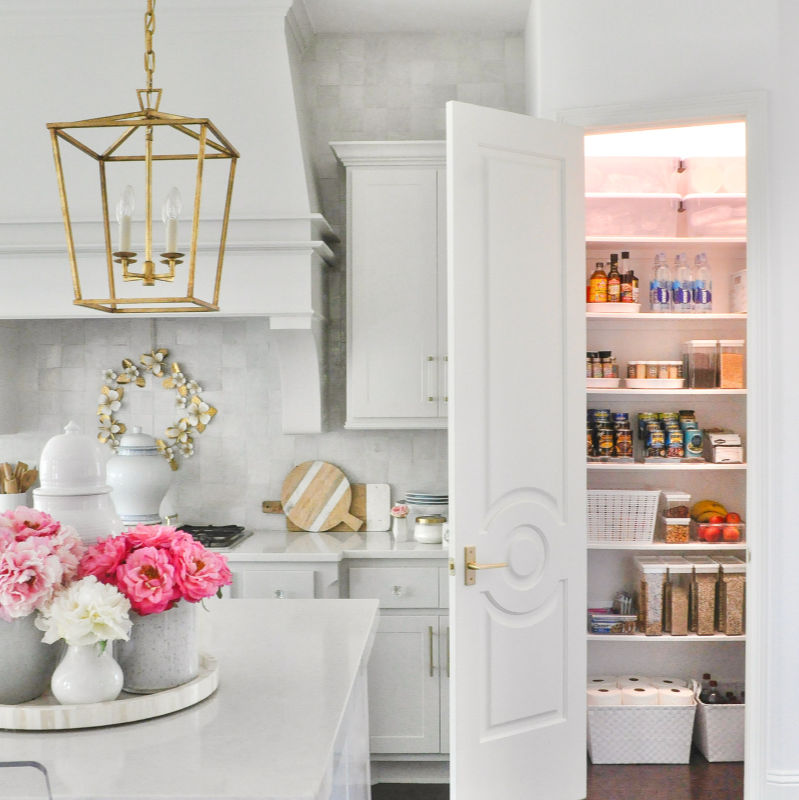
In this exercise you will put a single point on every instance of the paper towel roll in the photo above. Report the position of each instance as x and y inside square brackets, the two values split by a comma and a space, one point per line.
[675, 696]
[632, 680]
[604, 696]
[601, 680]
[639, 696]
[662, 680]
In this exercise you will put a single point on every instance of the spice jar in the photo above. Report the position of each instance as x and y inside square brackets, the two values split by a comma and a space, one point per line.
[731, 594]
[703, 595]
[675, 596]
[652, 572]
[731, 364]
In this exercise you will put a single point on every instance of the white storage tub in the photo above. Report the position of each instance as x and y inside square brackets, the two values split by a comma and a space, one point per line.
[641, 174]
[714, 215]
[719, 729]
[710, 174]
[631, 214]
[640, 734]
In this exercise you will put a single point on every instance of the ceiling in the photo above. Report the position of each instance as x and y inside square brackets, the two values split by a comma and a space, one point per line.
[415, 16]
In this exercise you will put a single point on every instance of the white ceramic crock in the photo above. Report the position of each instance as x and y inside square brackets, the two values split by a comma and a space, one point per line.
[139, 477]
[429, 529]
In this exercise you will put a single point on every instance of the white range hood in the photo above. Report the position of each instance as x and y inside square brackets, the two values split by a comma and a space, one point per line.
[229, 61]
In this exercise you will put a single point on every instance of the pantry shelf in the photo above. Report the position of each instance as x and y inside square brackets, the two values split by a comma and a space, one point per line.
[681, 392]
[664, 546]
[628, 466]
[666, 637]
[667, 239]
[672, 316]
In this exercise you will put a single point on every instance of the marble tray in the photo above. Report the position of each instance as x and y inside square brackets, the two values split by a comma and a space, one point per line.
[45, 713]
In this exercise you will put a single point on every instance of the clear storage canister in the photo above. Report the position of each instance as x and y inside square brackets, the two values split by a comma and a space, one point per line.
[652, 577]
[732, 369]
[731, 594]
[703, 595]
[701, 364]
[675, 598]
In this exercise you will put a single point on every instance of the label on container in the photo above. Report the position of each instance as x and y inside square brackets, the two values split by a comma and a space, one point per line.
[702, 297]
[682, 296]
[661, 295]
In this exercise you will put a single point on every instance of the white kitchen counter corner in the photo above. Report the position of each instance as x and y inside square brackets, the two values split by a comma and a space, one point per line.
[286, 546]
[288, 721]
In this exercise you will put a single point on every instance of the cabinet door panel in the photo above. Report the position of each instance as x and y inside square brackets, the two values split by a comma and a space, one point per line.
[403, 587]
[273, 584]
[393, 293]
[404, 686]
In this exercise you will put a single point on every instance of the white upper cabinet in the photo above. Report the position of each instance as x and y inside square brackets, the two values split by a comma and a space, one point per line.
[396, 284]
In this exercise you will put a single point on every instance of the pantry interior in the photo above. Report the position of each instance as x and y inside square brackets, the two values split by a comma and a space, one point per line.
[671, 191]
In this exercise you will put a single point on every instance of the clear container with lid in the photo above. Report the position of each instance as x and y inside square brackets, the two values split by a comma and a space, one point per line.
[676, 592]
[731, 594]
[703, 595]
[700, 358]
[652, 574]
[732, 367]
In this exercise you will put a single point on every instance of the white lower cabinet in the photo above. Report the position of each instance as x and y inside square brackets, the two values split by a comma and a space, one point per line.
[263, 580]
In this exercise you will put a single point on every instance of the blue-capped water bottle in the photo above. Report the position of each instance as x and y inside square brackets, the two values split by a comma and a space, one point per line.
[682, 288]
[703, 285]
[660, 285]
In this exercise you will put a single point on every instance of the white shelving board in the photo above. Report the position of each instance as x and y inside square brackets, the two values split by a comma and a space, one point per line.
[633, 393]
[669, 318]
[637, 466]
[637, 638]
[665, 240]
[666, 547]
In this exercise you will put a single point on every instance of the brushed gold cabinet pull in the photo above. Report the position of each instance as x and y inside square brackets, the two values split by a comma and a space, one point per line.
[430, 643]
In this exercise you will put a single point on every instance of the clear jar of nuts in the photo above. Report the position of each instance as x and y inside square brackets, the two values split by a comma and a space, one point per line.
[703, 595]
[652, 574]
[731, 594]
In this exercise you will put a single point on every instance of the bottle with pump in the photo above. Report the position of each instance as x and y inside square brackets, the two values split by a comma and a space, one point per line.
[598, 285]
[682, 288]
[660, 286]
[703, 285]
[614, 280]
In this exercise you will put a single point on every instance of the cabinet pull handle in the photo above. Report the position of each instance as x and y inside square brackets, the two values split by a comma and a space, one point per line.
[396, 591]
[445, 378]
[448, 652]
[280, 594]
[428, 377]
[430, 644]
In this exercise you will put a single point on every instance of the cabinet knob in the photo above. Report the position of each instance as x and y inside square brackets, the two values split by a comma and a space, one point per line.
[430, 399]
[280, 594]
[397, 591]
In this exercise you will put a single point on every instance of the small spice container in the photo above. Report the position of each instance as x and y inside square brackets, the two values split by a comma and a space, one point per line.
[701, 363]
[675, 598]
[702, 603]
[731, 364]
[652, 574]
[731, 594]
[677, 517]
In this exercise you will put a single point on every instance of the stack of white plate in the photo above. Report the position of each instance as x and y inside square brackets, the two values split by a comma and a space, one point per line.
[425, 498]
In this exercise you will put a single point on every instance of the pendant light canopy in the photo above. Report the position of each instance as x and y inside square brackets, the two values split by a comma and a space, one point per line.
[171, 149]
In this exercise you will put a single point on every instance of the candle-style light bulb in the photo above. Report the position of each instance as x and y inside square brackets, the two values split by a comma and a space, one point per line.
[125, 208]
[170, 214]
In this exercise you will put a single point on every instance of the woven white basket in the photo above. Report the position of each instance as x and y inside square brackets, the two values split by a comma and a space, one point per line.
[640, 734]
[719, 731]
[622, 515]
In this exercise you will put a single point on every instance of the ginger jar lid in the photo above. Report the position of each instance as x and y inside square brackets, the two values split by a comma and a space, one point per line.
[72, 463]
[137, 443]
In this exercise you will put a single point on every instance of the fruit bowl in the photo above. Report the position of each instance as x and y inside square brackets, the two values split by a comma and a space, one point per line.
[721, 532]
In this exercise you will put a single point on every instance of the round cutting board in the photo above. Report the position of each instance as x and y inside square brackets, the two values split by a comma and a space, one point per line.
[316, 496]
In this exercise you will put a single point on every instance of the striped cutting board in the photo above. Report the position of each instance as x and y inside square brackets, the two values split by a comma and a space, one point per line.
[316, 496]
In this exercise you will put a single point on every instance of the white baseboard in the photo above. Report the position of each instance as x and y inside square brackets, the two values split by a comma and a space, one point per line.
[410, 772]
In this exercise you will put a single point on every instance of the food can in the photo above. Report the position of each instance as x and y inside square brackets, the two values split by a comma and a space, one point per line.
[693, 442]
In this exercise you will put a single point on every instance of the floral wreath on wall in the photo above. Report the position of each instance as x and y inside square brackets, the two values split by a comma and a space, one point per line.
[179, 437]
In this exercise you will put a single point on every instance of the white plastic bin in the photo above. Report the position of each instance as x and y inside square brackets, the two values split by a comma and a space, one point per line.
[641, 174]
[631, 214]
[714, 215]
[719, 729]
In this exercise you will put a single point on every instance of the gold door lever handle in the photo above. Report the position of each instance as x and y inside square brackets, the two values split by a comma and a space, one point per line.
[470, 558]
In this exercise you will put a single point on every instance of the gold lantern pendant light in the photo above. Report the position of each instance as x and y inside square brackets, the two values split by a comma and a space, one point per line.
[207, 144]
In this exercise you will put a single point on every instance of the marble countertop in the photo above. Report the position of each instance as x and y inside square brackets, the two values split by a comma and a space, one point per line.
[285, 546]
[286, 673]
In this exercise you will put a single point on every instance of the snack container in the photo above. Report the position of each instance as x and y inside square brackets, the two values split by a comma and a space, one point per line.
[732, 367]
[700, 360]
[676, 530]
[676, 591]
[677, 501]
[722, 532]
[703, 595]
[731, 595]
[652, 575]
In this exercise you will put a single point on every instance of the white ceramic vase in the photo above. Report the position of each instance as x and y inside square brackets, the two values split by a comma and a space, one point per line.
[26, 663]
[399, 529]
[162, 651]
[86, 674]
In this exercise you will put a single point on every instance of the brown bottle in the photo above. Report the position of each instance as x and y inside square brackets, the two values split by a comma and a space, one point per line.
[598, 285]
[614, 281]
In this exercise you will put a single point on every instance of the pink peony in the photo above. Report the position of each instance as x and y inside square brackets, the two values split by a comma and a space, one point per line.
[199, 572]
[29, 574]
[30, 522]
[155, 536]
[103, 558]
[147, 579]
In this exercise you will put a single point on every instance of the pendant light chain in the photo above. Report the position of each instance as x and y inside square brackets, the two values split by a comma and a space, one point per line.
[149, 53]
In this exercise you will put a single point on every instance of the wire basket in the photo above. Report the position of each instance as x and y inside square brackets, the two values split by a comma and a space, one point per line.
[622, 515]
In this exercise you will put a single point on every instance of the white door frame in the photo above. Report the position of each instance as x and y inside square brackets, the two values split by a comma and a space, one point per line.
[751, 107]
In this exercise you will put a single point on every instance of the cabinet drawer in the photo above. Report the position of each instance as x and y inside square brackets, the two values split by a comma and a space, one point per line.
[274, 584]
[402, 587]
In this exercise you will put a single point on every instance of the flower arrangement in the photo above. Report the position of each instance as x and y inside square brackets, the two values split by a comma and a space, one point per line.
[156, 566]
[86, 612]
[400, 510]
[38, 556]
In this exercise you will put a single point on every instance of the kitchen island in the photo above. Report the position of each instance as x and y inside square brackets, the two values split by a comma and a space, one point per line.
[287, 722]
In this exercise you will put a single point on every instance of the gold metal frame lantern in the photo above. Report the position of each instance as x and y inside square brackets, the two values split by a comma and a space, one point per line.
[207, 143]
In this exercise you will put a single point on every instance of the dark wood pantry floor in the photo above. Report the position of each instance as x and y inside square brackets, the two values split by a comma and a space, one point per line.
[698, 780]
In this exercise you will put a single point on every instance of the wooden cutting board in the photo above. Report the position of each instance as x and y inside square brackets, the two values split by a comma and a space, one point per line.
[316, 496]
[371, 502]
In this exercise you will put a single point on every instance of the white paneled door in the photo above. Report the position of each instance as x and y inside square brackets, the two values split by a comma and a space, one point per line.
[517, 459]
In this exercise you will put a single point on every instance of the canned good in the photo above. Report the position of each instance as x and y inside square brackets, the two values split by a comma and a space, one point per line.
[656, 443]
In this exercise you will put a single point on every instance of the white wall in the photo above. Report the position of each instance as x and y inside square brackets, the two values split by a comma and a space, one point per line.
[610, 52]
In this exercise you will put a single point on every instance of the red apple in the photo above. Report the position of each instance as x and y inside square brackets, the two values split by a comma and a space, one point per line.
[732, 517]
[712, 533]
[731, 533]
[716, 519]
